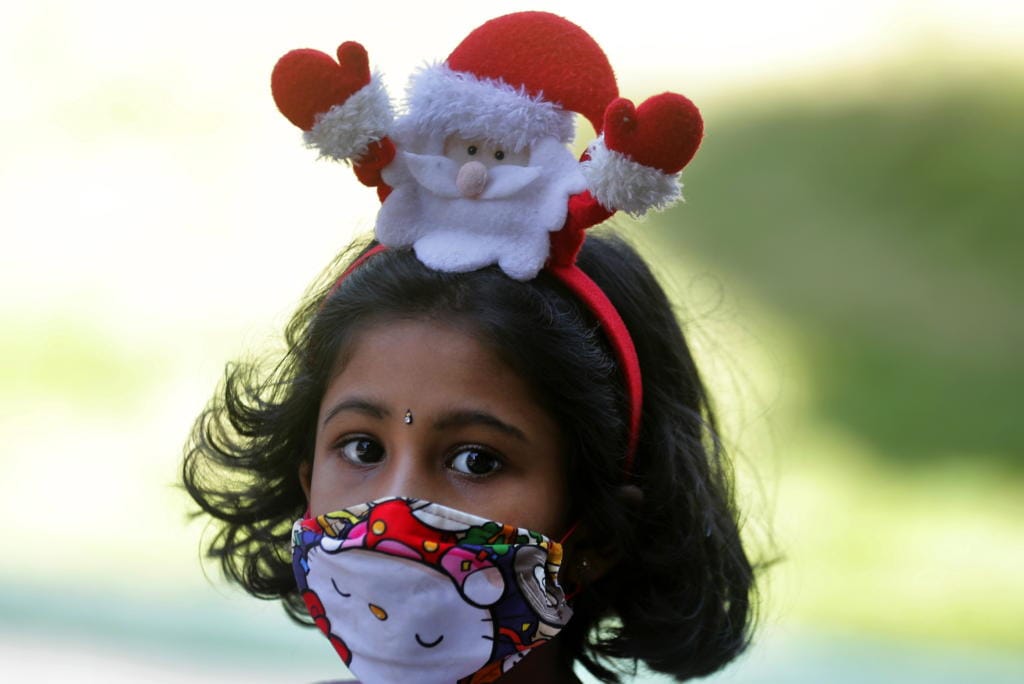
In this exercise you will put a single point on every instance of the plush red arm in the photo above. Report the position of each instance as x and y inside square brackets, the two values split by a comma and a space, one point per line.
[584, 212]
[344, 112]
[307, 82]
[662, 133]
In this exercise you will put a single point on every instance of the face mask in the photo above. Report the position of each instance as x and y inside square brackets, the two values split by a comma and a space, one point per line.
[408, 590]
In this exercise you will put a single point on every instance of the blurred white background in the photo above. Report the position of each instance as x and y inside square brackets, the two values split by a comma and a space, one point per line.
[161, 218]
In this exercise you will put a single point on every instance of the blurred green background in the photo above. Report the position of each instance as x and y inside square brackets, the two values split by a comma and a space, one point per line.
[847, 265]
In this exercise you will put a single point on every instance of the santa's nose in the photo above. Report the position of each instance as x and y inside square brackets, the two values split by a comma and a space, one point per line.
[471, 179]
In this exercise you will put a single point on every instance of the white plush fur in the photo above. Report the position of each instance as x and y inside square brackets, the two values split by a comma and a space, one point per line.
[443, 102]
[345, 131]
[618, 182]
[508, 225]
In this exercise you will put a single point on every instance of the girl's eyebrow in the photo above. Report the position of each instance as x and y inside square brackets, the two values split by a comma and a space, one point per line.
[358, 405]
[455, 419]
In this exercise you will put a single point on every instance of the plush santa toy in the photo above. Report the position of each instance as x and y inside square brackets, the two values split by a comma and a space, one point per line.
[476, 170]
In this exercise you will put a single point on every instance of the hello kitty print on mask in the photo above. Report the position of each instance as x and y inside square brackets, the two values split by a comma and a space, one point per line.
[408, 590]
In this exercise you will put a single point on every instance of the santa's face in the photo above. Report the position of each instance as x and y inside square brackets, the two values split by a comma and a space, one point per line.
[487, 168]
[463, 204]
[479, 162]
[465, 150]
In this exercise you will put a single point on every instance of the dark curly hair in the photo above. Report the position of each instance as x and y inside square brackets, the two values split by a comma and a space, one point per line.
[679, 597]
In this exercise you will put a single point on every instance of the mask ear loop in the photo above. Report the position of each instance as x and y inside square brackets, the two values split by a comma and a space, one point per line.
[597, 302]
[571, 593]
[565, 537]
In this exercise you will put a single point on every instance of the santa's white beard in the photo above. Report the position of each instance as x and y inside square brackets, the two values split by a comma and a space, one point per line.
[508, 224]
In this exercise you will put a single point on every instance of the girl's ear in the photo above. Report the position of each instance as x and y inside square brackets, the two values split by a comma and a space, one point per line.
[630, 495]
[590, 557]
[306, 477]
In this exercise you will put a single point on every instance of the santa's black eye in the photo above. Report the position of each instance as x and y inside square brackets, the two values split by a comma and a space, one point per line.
[499, 155]
[471, 150]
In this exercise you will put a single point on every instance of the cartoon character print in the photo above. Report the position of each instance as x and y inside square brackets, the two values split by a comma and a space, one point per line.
[383, 572]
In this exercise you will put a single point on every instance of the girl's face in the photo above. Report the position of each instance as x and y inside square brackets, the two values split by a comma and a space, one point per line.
[422, 409]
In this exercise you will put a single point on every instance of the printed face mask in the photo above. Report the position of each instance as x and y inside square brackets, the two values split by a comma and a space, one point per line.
[408, 590]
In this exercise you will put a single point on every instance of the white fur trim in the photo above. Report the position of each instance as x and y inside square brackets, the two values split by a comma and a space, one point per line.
[345, 131]
[618, 182]
[445, 102]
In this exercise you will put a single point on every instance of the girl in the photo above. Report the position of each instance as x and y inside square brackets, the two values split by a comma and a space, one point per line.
[502, 399]
[492, 433]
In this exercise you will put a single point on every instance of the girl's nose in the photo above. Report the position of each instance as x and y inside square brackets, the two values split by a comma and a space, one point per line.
[471, 179]
[411, 473]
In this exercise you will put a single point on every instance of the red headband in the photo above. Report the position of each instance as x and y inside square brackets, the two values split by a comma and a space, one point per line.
[597, 302]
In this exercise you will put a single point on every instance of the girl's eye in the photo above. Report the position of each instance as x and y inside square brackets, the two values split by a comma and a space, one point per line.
[475, 461]
[499, 155]
[362, 451]
[471, 150]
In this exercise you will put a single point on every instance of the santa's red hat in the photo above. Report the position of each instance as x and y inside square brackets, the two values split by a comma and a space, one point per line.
[514, 80]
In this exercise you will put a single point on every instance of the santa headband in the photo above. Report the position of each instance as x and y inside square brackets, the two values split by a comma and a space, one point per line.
[474, 171]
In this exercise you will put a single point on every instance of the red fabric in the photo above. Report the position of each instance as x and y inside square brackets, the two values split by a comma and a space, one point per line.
[664, 132]
[584, 212]
[594, 298]
[376, 249]
[545, 54]
[378, 155]
[319, 615]
[393, 521]
[308, 82]
[492, 672]
[316, 610]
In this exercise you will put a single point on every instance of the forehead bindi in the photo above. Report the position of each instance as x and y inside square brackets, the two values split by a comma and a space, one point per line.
[429, 367]
[462, 395]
